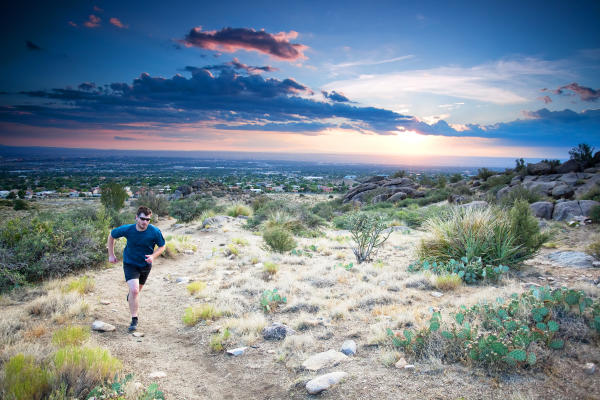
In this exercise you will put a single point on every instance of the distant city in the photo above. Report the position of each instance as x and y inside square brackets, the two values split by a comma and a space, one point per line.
[43, 172]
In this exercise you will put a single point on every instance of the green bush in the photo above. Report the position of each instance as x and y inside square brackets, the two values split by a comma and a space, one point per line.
[279, 239]
[470, 271]
[113, 196]
[271, 299]
[484, 173]
[595, 214]
[24, 379]
[583, 154]
[238, 209]
[520, 193]
[492, 234]
[159, 204]
[592, 194]
[368, 232]
[186, 210]
[71, 336]
[51, 245]
[120, 218]
[21, 204]
[496, 181]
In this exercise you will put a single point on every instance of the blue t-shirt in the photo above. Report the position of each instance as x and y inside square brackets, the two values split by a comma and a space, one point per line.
[138, 243]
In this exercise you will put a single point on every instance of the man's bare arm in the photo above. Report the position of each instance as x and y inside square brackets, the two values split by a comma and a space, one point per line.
[110, 244]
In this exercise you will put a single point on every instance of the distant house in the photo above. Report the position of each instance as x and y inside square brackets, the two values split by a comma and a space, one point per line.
[4, 193]
[278, 189]
[256, 190]
[326, 189]
[313, 178]
[73, 193]
[353, 177]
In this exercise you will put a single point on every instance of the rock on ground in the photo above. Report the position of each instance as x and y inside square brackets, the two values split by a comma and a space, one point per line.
[100, 326]
[324, 382]
[349, 347]
[277, 331]
[572, 259]
[325, 359]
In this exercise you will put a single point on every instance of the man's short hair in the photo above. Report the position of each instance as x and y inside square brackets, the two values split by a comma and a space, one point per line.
[143, 210]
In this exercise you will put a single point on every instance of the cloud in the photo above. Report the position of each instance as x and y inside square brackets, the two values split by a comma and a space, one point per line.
[335, 96]
[92, 22]
[124, 138]
[498, 83]
[98, 9]
[236, 64]
[73, 24]
[371, 62]
[585, 93]
[87, 86]
[116, 22]
[545, 99]
[32, 46]
[230, 40]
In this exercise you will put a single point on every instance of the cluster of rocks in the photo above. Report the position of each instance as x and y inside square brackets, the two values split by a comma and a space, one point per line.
[381, 189]
[558, 186]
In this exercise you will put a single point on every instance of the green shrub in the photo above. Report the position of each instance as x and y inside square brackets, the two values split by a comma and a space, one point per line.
[83, 368]
[21, 204]
[583, 154]
[367, 231]
[489, 233]
[195, 287]
[470, 271]
[592, 194]
[188, 209]
[24, 379]
[204, 312]
[271, 299]
[593, 248]
[484, 173]
[270, 268]
[520, 193]
[71, 336]
[279, 239]
[113, 196]
[237, 210]
[81, 285]
[496, 181]
[218, 341]
[120, 218]
[159, 204]
[51, 245]
[595, 214]
[447, 281]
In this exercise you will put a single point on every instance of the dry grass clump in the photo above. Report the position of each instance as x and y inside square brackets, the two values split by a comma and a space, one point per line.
[270, 268]
[240, 241]
[24, 379]
[53, 302]
[178, 244]
[231, 250]
[82, 285]
[71, 336]
[239, 209]
[446, 282]
[196, 287]
[204, 312]
[593, 248]
[219, 341]
[279, 239]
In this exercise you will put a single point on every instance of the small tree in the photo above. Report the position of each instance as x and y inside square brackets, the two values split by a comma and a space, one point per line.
[157, 203]
[525, 228]
[583, 154]
[519, 164]
[113, 196]
[368, 233]
[21, 193]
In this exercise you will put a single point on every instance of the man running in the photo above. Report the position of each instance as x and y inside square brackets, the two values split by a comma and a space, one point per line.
[138, 255]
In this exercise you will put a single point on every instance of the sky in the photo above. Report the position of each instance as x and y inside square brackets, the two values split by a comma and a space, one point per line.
[387, 79]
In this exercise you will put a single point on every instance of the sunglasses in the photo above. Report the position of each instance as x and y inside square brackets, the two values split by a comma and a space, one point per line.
[144, 219]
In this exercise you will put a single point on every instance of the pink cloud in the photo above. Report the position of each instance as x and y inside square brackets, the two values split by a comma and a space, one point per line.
[92, 22]
[545, 99]
[73, 24]
[117, 22]
[98, 9]
[276, 45]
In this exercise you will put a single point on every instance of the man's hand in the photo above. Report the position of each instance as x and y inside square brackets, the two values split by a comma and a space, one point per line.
[149, 258]
[112, 259]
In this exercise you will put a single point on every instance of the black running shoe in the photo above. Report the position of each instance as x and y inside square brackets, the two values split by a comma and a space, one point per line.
[132, 326]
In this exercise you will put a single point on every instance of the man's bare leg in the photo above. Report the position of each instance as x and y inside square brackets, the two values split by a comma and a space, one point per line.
[134, 292]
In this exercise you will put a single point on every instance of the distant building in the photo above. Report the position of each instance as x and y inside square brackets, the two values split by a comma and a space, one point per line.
[326, 189]
[313, 178]
[353, 177]
[256, 190]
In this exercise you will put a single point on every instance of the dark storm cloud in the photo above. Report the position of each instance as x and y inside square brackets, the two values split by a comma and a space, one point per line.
[32, 46]
[335, 96]
[229, 40]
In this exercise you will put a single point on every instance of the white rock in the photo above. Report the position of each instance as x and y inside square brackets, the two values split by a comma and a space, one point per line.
[182, 279]
[589, 368]
[324, 382]
[102, 326]
[409, 366]
[325, 359]
[401, 363]
[138, 334]
[349, 347]
[188, 252]
[437, 294]
[104, 302]
[259, 265]
[157, 374]
[237, 352]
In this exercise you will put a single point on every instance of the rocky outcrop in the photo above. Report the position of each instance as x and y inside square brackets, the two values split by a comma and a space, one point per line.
[384, 189]
[567, 210]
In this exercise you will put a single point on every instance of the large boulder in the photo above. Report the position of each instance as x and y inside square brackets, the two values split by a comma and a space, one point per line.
[475, 204]
[380, 198]
[505, 191]
[397, 197]
[373, 179]
[359, 189]
[562, 190]
[400, 182]
[540, 187]
[541, 168]
[576, 259]
[570, 178]
[569, 166]
[568, 210]
[596, 159]
[542, 209]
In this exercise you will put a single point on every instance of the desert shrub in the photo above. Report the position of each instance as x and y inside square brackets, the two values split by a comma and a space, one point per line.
[525, 228]
[414, 216]
[595, 214]
[231, 250]
[24, 379]
[454, 178]
[270, 267]
[505, 334]
[593, 248]
[113, 196]
[188, 209]
[447, 281]
[271, 299]
[204, 312]
[21, 204]
[238, 209]
[592, 194]
[177, 245]
[120, 218]
[82, 368]
[259, 202]
[489, 233]
[432, 196]
[218, 341]
[239, 241]
[279, 239]
[496, 182]
[51, 245]
[583, 154]
[484, 173]
[71, 336]
[520, 193]
[158, 203]
[195, 287]
[368, 232]
[325, 209]
[82, 285]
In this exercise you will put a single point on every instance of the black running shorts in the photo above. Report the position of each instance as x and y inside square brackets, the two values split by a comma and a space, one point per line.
[135, 272]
